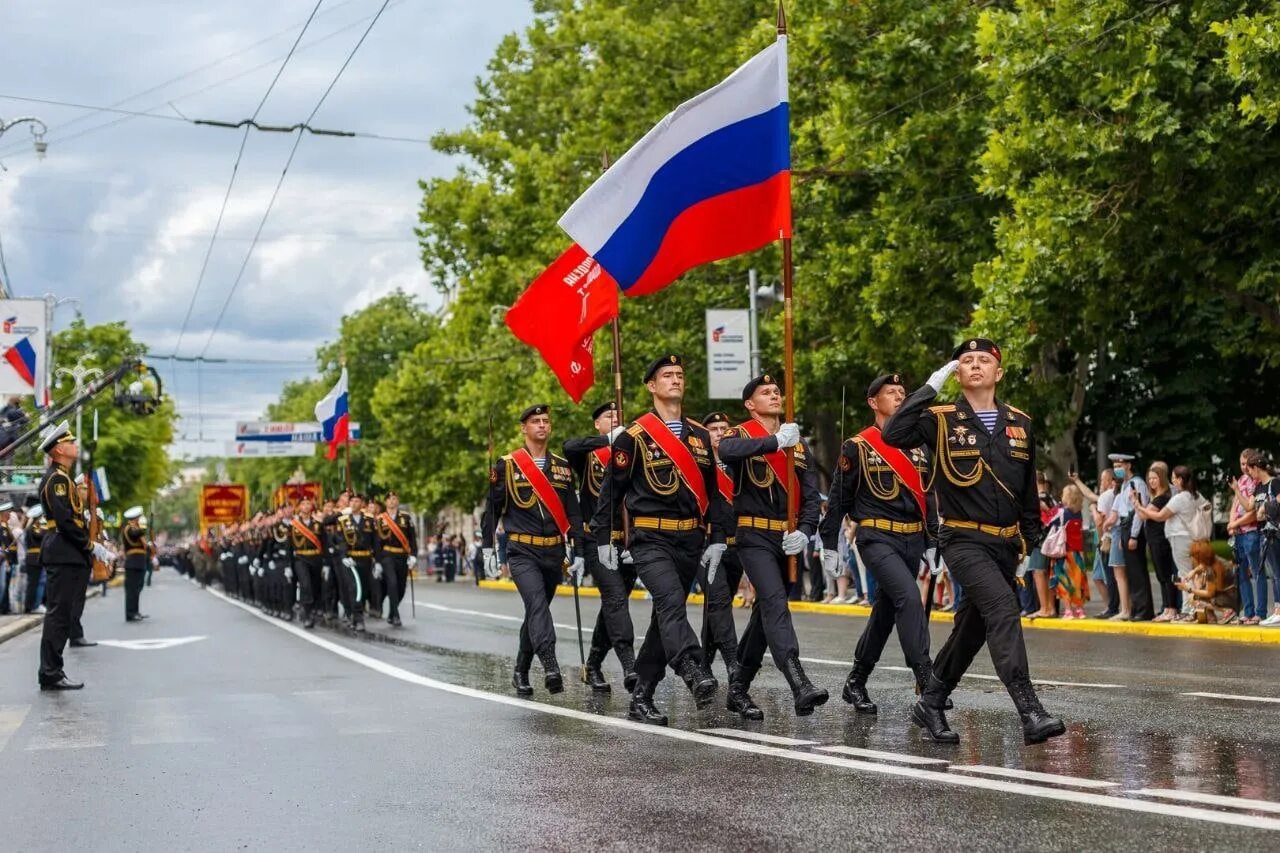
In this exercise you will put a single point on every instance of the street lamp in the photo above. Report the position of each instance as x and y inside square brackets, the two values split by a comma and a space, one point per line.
[758, 294]
[79, 374]
[37, 136]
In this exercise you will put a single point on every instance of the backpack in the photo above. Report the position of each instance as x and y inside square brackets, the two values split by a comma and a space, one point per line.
[1202, 522]
[1054, 546]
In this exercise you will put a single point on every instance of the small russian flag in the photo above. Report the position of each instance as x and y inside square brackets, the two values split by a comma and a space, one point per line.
[23, 358]
[334, 415]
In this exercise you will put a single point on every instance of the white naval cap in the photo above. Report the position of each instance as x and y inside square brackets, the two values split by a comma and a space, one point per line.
[55, 434]
[133, 512]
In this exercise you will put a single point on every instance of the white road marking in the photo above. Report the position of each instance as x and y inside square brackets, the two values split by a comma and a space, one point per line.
[759, 737]
[900, 758]
[1232, 696]
[1048, 681]
[501, 616]
[1032, 776]
[70, 727]
[1209, 799]
[11, 717]
[150, 645]
[955, 780]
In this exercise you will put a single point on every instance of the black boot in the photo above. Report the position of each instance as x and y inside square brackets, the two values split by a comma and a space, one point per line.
[627, 657]
[642, 709]
[553, 680]
[594, 678]
[520, 676]
[806, 695]
[732, 668]
[739, 700]
[1037, 725]
[309, 619]
[922, 672]
[928, 715]
[855, 691]
[702, 684]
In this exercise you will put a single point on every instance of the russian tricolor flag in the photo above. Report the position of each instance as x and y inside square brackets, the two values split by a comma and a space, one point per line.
[711, 180]
[334, 415]
[22, 356]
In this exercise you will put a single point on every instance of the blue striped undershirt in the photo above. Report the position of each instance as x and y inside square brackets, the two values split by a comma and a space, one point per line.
[988, 419]
[676, 427]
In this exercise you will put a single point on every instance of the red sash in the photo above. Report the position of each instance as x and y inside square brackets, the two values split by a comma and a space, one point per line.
[777, 460]
[901, 465]
[725, 482]
[680, 455]
[602, 456]
[307, 532]
[395, 529]
[542, 488]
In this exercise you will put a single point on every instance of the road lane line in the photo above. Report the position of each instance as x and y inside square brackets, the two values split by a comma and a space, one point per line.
[1032, 776]
[1233, 696]
[860, 752]
[759, 737]
[1209, 799]
[976, 782]
[502, 616]
[1035, 680]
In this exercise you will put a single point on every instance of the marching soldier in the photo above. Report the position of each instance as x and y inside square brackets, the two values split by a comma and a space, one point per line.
[753, 450]
[718, 630]
[355, 549]
[137, 553]
[397, 553]
[664, 476]
[985, 454]
[307, 555]
[66, 553]
[8, 556]
[34, 535]
[531, 493]
[589, 459]
[882, 489]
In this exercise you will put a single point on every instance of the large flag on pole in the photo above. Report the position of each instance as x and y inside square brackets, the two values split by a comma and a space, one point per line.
[559, 314]
[711, 180]
[334, 414]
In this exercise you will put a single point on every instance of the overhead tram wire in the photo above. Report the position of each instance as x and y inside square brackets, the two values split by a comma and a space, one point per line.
[217, 323]
[204, 267]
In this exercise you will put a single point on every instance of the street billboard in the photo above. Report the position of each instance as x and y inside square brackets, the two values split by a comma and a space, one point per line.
[269, 449]
[23, 369]
[728, 353]
[285, 431]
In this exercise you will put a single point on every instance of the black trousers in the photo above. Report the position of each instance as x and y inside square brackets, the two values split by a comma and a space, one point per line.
[668, 564]
[892, 559]
[1166, 572]
[244, 574]
[986, 568]
[395, 575]
[133, 581]
[719, 633]
[537, 572]
[330, 588]
[770, 624]
[1135, 569]
[227, 568]
[613, 623]
[30, 601]
[364, 565]
[77, 609]
[351, 588]
[65, 586]
[309, 577]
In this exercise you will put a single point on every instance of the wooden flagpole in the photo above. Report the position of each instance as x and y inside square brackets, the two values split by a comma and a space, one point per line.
[788, 364]
[346, 443]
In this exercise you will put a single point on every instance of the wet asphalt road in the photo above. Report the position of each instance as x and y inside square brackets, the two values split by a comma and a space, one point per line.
[247, 735]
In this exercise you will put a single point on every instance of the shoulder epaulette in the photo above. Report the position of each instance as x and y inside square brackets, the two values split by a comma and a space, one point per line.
[634, 430]
[943, 408]
[555, 457]
[506, 457]
[1017, 411]
[695, 423]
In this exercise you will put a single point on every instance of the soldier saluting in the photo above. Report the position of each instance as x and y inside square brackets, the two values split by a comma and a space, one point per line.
[985, 485]
[531, 492]
[307, 552]
[397, 553]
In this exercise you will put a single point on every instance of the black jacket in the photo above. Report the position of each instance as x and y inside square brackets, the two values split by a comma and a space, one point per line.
[757, 491]
[66, 538]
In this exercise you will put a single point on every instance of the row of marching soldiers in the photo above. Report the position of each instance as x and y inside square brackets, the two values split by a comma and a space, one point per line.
[305, 560]
[672, 500]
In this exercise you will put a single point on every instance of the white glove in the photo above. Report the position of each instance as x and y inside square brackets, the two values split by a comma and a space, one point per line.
[793, 543]
[271, 564]
[243, 560]
[288, 574]
[931, 560]
[577, 569]
[262, 573]
[831, 562]
[255, 565]
[788, 435]
[614, 433]
[324, 573]
[941, 375]
[627, 558]
[608, 557]
[348, 562]
[377, 570]
[102, 552]
[490, 562]
[413, 562]
[711, 558]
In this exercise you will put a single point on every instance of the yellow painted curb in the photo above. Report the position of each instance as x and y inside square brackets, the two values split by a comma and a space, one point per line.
[1230, 633]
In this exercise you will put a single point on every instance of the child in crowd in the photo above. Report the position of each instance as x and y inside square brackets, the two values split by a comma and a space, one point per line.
[1068, 570]
[1210, 587]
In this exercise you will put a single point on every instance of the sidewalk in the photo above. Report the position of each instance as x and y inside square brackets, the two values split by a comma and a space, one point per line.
[14, 624]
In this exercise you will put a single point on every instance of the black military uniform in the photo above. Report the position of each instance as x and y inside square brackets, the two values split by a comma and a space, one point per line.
[34, 535]
[589, 459]
[719, 633]
[307, 553]
[669, 520]
[137, 552]
[275, 566]
[331, 582]
[985, 485]
[355, 550]
[9, 556]
[393, 555]
[760, 504]
[535, 551]
[891, 541]
[67, 556]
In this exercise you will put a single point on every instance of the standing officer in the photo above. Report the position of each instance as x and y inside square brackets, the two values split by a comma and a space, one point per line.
[8, 556]
[718, 630]
[137, 554]
[307, 554]
[531, 492]
[34, 534]
[66, 553]
[985, 452]
[882, 489]
[589, 459]
[397, 549]
[664, 476]
[355, 548]
[753, 450]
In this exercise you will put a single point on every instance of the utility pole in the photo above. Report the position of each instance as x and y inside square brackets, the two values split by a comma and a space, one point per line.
[82, 376]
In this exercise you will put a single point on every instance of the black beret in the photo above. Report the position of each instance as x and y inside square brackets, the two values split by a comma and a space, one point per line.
[715, 418]
[540, 409]
[977, 345]
[881, 381]
[764, 379]
[668, 360]
[610, 406]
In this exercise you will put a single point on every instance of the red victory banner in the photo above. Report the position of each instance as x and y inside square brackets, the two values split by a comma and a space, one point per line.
[223, 504]
[291, 493]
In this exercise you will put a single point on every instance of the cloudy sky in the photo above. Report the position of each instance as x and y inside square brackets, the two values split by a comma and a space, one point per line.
[121, 212]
